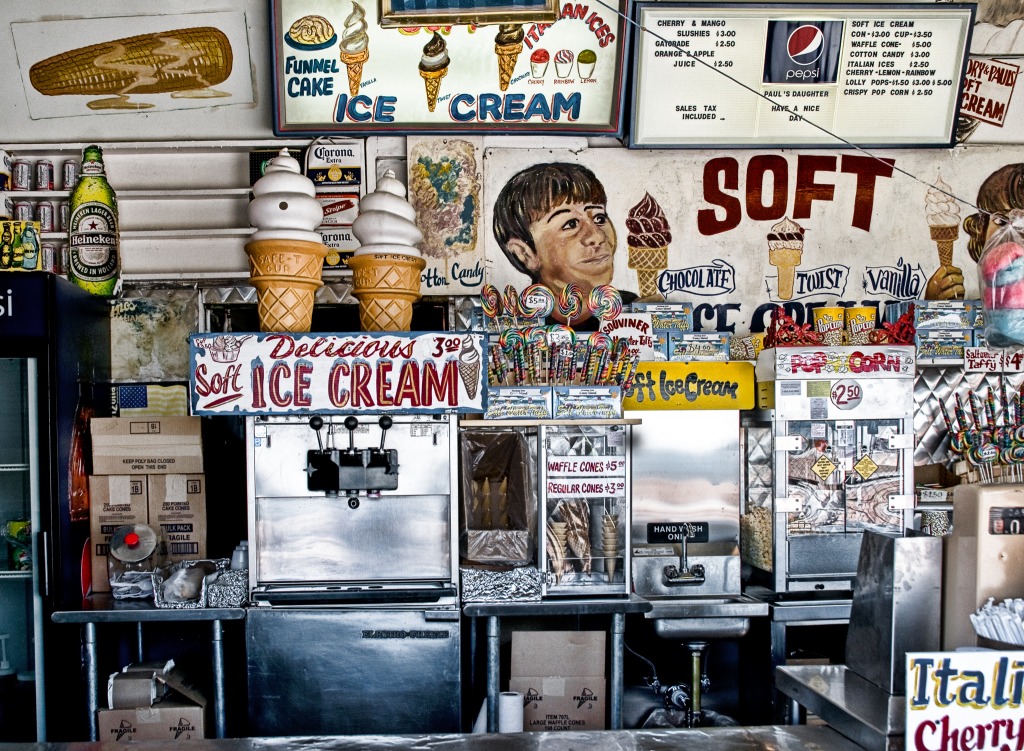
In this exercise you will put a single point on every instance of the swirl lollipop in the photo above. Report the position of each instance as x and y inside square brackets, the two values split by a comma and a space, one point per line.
[604, 302]
[510, 302]
[537, 302]
[570, 302]
[490, 301]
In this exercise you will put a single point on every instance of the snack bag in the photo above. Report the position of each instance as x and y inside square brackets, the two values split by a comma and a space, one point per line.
[1001, 274]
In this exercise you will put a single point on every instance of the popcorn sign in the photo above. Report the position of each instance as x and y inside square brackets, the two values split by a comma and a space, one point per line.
[280, 373]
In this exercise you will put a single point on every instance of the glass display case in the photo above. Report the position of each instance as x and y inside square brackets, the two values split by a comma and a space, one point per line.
[584, 546]
[21, 605]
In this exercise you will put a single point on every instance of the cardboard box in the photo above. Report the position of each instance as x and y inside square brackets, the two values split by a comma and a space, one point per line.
[114, 501]
[177, 509]
[179, 716]
[561, 675]
[146, 446]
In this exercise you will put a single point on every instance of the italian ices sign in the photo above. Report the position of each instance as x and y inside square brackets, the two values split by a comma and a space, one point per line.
[965, 700]
[280, 373]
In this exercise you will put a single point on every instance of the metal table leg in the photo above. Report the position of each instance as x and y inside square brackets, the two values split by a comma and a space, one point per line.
[219, 713]
[795, 714]
[493, 671]
[615, 694]
[92, 678]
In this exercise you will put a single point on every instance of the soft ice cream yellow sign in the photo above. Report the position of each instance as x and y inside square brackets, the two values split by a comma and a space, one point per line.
[691, 385]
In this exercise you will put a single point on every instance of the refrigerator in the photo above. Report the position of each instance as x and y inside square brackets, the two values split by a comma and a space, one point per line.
[54, 345]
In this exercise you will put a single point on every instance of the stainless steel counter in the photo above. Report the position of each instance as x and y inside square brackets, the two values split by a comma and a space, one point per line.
[766, 738]
[857, 708]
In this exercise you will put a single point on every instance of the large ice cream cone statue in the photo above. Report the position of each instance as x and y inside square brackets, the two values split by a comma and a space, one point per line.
[386, 267]
[507, 45]
[285, 254]
[648, 240]
[943, 215]
[355, 47]
[785, 252]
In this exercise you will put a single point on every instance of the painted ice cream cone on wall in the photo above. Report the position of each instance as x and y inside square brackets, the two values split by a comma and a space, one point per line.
[433, 67]
[507, 45]
[355, 47]
[943, 215]
[785, 251]
[648, 240]
[469, 367]
[286, 255]
[386, 267]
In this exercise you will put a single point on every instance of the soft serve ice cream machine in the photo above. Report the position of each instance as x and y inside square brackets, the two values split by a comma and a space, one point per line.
[839, 461]
[353, 574]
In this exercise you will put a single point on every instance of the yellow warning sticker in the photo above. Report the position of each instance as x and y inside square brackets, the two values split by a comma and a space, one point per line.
[823, 467]
[865, 467]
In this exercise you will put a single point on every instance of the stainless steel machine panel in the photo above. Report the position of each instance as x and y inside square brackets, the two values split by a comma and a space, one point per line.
[321, 539]
[686, 468]
[338, 672]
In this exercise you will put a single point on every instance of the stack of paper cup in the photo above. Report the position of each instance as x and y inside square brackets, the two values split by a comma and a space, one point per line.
[610, 542]
[830, 322]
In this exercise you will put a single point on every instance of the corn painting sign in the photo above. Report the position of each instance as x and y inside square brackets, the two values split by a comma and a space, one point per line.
[965, 701]
[278, 373]
[139, 63]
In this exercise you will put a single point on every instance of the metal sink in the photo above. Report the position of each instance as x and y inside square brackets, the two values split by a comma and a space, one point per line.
[726, 617]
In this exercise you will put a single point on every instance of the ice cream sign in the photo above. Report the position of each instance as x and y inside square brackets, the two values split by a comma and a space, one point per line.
[337, 69]
[280, 373]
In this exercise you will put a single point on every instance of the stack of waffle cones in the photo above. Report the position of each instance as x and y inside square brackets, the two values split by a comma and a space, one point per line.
[557, 546]
[387, 284]
[286, 275]
[944, 236]
[610, 542]
[648, 262]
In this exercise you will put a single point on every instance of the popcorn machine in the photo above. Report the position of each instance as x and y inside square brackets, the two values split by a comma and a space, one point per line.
[835, 460]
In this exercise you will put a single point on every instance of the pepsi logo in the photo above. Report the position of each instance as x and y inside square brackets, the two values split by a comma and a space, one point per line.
[806, 45]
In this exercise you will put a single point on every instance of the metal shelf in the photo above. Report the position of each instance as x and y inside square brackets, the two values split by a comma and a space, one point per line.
[16, 574]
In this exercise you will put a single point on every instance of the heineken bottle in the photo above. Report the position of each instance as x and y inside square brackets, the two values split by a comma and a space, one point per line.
[94, 258]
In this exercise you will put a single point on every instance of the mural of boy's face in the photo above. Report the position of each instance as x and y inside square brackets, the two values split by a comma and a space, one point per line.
[573, 242]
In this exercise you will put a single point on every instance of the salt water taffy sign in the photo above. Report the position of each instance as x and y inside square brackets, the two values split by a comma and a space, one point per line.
[280, 373]
[965, 700]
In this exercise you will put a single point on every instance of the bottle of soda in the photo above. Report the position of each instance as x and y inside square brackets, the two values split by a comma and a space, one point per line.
[94, 257]
[6, 247]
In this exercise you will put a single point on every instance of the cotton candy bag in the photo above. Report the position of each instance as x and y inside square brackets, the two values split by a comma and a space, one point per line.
[1001, 274]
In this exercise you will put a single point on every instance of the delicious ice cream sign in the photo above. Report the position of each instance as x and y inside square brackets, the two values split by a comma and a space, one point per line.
[336, 69]
[965, 700]
[261, 374]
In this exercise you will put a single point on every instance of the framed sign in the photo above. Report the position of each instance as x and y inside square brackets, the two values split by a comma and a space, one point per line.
[798, 75]
[402, 13]
[281, 373]
[337, 68]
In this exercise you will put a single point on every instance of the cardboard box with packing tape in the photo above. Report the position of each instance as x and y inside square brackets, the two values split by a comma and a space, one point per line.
[151, 701]
[561, 675]
[146, 446]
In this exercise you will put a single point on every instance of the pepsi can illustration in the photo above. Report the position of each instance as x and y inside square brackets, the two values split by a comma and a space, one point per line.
[803, 52]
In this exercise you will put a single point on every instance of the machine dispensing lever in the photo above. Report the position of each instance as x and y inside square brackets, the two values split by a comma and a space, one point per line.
[352, 470]
[684, 574]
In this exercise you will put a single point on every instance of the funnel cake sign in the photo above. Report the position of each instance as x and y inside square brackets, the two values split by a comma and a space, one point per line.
[279, 373]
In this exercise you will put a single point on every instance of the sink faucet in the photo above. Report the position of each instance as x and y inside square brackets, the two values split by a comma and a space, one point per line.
[684, 574]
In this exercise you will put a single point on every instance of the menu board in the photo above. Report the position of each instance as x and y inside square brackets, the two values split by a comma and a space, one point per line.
[798, 75]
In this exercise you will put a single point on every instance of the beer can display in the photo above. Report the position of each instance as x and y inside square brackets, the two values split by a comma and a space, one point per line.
[69, 174]
[5, 169]
[44, 215]
[63, 212]
[44, 174]
[23, 211]
[21, 174]
[7, 210]
[49, 257]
